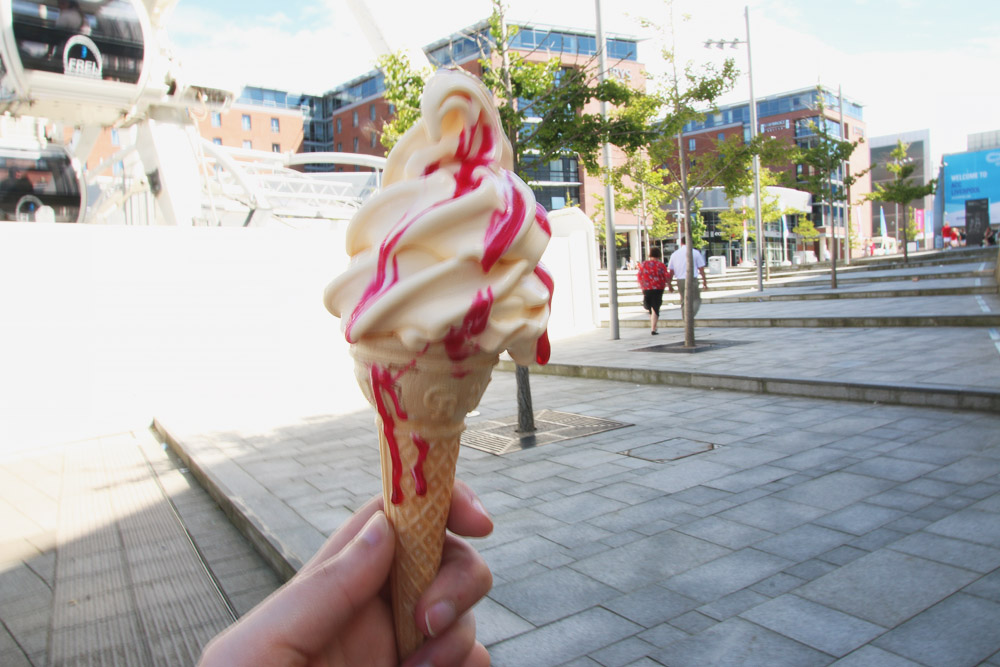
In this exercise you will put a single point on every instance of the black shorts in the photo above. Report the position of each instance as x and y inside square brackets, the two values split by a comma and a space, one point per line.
[652, 299]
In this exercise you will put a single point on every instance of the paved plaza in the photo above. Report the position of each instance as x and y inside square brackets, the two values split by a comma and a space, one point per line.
[785, 524]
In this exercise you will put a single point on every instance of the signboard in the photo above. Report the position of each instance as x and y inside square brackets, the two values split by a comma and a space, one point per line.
[97, 40]
[971, 176]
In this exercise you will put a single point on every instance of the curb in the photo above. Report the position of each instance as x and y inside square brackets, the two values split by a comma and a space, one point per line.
[940, 397]
[984, 320]
[280, 556]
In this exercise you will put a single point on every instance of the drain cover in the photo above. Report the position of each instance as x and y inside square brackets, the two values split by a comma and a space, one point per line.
[501, 436]
[699, 346]
[669, 450]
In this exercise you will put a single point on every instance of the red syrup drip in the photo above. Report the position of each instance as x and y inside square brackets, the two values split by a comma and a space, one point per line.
[543, 349]
[419, 482]
[387, 267]
[458, 342]
[383, 385]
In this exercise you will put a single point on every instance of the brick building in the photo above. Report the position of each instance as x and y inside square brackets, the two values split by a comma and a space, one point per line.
[789, 117]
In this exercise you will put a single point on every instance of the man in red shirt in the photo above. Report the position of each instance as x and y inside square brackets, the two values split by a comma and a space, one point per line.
[653, 278]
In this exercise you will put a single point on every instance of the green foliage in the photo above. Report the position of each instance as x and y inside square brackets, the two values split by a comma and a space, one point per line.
[403, 88]
[805, 229]
[822, 158]
[698, 227]
[902, 190]
[640, 190]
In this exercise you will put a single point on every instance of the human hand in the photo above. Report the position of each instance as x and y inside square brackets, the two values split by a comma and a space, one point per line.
[336, 610]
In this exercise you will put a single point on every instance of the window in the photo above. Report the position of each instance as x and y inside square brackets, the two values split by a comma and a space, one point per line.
[339, 127]
[691, 144]
[216, 119]
[354, 118]
[371, 111]
[373, 139]
[355, 144]
[340, 147]
[722, 136]
[217, 141]
[275, 127]
[247, 143]
[246, 122]
[115, 139]
[275, 148]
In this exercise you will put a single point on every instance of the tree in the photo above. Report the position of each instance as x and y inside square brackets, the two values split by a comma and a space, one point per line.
[902, 190]
[823, 155]
[733, 221]
[552, 98]
[403, 87]
[639, 189]
[683, 95]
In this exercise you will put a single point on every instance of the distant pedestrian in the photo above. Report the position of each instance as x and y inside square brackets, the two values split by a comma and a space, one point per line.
[653, 279]
[990, 237]
[678, 268]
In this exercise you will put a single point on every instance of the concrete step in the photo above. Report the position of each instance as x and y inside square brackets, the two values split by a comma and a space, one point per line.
[941, 397]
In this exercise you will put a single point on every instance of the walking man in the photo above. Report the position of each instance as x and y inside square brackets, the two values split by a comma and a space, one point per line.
[653, 279]
[678, 267]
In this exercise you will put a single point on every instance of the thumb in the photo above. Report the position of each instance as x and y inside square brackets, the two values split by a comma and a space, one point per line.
[307, 612]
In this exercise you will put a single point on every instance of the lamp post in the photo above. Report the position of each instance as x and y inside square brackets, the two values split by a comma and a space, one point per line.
[609, 193]
[753, 135]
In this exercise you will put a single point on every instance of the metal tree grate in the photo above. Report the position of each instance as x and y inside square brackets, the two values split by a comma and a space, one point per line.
[673, 449]
[500, 436]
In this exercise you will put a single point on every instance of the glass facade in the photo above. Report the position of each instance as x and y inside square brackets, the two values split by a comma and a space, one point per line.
[464, 48]
[797, 101]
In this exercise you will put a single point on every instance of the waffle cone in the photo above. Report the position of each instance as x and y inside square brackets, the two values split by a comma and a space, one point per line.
[421, 400]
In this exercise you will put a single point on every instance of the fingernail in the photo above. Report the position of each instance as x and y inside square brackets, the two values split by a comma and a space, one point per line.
[439, 616]
[374, 531]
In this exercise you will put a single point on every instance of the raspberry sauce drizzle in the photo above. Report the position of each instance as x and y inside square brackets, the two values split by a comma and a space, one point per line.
[383, 385]
[420, 484]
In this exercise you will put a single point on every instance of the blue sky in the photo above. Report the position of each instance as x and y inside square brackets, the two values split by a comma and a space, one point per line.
[913, 64]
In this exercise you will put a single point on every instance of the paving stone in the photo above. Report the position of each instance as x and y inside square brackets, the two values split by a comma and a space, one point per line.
[552, 595]
[900, 500]
[625, 652]
[773, 514]
[870, 656]
[961, 630]
[813, 624]
[950, 551]
[580, 508]
[563, 640]
[729, 534]
[692, 622]
[803, 542]
[988, 587]
[650, 560]
[971, 525]
[876, 539]
[686, 474]
[663, 635]
[738, 642]
[495, 623]
[886, 587]
[748, 479]
[778, 584]
[859, 518]
[887, 467]
[843, 555]
[835, 491]
[732, 604]
[727, 574]
[651, 605]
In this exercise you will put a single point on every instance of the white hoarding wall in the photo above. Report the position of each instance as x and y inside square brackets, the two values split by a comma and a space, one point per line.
[106, 327]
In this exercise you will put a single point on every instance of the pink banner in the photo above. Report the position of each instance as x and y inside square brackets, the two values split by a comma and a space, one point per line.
[918, 218]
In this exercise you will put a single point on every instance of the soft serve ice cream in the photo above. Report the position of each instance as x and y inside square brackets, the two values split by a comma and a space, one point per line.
[444, 276]
[448, 251]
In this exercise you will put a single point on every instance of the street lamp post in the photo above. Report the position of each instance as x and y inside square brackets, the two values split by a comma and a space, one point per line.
[753, 135]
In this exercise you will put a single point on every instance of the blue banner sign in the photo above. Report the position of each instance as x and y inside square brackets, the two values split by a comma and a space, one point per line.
[968, 177]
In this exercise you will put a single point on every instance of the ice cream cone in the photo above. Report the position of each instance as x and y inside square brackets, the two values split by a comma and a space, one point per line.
[421, 400]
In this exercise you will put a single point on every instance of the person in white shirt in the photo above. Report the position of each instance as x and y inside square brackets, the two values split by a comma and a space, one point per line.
[678, 265]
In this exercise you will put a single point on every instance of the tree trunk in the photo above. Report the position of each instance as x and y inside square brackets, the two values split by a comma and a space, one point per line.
[906, 239]
[525, 412]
